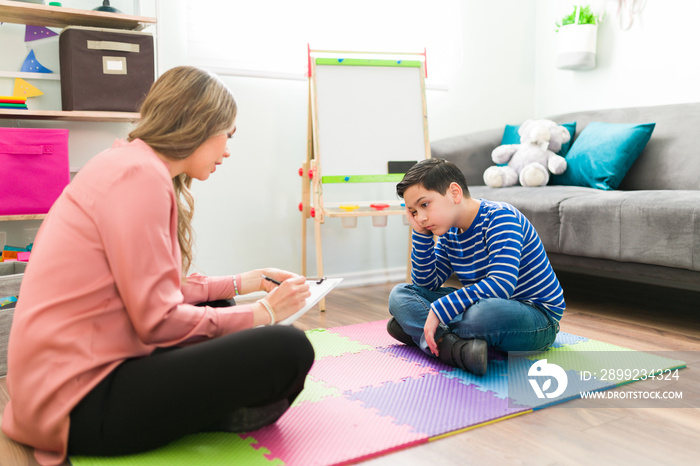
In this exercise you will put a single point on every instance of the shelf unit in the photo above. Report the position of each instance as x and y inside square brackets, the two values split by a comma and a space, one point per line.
[53, 16]
[60, 17]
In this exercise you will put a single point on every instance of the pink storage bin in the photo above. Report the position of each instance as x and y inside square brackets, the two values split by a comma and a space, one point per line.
[33, 169]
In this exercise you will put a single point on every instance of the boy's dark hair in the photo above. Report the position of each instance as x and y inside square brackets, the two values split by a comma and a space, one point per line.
[433, 175]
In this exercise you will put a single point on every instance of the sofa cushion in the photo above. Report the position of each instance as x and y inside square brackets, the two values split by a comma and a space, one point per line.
[651, 227]
[670, 160]
[539, 205]
[603, 154]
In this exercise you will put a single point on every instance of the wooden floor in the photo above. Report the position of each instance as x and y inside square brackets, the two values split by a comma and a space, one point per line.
[635, 316]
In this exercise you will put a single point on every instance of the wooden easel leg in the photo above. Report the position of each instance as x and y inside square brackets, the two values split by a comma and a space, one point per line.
[303, 244]
[319, 258]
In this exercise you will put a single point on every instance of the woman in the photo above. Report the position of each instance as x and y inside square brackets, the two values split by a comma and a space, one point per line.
[113, 350]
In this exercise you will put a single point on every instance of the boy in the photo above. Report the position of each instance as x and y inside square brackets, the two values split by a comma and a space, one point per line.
[511, 299]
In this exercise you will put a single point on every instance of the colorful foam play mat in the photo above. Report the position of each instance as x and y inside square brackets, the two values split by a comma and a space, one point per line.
[368, 395]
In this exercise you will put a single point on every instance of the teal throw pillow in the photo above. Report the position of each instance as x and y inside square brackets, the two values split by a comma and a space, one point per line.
[603, 153]
[511, 136]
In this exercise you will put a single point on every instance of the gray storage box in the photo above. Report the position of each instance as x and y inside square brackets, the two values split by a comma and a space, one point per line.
[105, 69]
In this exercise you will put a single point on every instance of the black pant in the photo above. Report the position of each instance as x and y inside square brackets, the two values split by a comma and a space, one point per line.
[151, 401]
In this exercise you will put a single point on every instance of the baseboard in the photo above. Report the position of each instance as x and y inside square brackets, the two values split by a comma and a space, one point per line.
[371, 277]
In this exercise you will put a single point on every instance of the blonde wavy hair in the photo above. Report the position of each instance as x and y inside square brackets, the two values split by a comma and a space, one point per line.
[185, 107]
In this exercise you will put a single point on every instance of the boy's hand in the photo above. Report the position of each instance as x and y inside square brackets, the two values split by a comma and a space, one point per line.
[431, 325]
[414, 224]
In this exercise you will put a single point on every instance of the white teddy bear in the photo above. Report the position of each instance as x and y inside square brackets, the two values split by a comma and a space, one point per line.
[530, 161]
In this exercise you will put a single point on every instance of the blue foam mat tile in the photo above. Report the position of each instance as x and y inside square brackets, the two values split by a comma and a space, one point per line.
[495, 380]
[564, 338]
[522, 392]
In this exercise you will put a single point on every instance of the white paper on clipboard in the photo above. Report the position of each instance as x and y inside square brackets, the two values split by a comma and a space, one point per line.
[318, 291]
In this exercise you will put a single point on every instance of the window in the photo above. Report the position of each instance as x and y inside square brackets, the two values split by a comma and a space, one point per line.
[268, 38]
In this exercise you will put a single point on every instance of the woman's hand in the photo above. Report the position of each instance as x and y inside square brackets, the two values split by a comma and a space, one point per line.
[253, 280]
[275, 274]
[289, 297]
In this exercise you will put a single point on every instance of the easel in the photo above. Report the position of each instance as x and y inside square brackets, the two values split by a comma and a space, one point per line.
[409, 71]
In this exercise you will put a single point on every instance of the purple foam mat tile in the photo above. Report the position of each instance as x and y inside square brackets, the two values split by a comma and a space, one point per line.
[495, 380]
[435, 404]
[415, 355]
[370, 333]
[353, 371]
[331, 432]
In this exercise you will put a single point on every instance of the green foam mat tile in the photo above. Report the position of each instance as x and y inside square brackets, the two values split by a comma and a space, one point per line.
[332, 344]
[211, 449]
[599, 358]
[314, 391]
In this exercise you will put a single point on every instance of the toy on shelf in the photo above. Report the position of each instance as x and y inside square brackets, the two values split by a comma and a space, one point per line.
[14, 102]
[25, 90]
[366, 110]
[16, 254]
[8, 302]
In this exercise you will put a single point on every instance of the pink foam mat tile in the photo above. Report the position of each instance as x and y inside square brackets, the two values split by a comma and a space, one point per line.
[435, 404]
[370, 333]
[352, 372]
[333, 431]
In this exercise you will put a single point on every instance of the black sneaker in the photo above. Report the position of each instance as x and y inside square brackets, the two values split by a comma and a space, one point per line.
[394, 329]
[445, 346]
[473, 356]
[469, 355]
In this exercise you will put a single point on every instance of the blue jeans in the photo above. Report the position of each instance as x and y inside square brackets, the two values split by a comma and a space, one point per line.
[505, 324]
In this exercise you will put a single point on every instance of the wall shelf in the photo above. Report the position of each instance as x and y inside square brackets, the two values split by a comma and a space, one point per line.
[5, 218]
[74, 115]
[60, 17]
[26, 75]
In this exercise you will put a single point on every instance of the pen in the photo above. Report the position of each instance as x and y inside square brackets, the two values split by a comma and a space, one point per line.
[276, 282]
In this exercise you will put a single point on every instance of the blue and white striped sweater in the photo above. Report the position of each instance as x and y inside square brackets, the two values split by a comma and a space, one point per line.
[500, 256]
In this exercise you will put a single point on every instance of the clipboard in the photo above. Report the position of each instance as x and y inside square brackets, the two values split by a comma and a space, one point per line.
[318, 291]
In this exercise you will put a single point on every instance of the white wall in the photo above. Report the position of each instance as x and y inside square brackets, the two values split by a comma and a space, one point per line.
[654, 62]
[247, 213]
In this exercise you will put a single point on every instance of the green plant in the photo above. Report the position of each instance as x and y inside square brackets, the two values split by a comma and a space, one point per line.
[585, 16]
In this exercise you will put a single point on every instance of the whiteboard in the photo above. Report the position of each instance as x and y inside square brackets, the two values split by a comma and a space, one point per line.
[367, 116]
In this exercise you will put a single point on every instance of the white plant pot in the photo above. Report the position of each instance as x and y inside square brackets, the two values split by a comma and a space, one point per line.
[577, 46]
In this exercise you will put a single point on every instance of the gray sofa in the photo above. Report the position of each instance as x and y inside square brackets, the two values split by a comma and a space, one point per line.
[648, 230]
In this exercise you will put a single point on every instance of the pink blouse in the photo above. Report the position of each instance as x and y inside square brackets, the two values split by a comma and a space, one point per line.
[103, 285]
